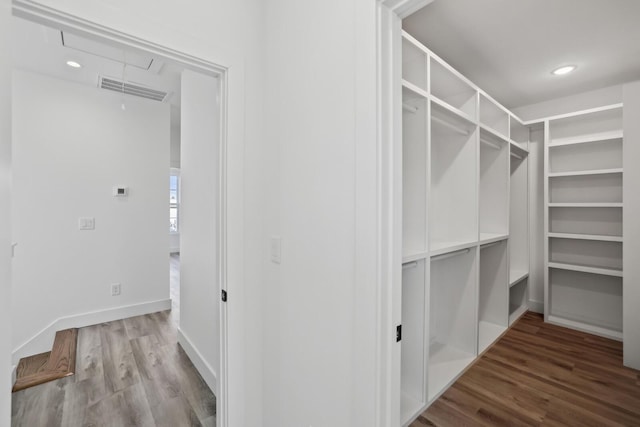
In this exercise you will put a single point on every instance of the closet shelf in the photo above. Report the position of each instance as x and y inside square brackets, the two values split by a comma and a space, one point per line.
[612, 136]
[411, 91]
[585, 205]
[586, 172]
[410, 407]
[493, 134]
[515, 311]
[446, 364]
[586, 269]
[517, 150]
[601, 238]
[488, 333]
[585, 327]
[414, 256]
[486, 238]
[450, 114]
[516, 276]
[441, 248]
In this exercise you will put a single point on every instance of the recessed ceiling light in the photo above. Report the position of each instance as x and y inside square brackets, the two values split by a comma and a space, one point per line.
[563, 70]
[74, 64]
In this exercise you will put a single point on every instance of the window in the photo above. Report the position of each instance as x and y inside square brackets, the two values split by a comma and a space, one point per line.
[174, 201]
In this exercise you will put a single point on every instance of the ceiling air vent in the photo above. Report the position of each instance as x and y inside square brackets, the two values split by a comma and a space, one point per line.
[132, 89]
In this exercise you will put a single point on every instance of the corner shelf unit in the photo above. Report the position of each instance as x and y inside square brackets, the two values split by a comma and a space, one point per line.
[583, 220]
[465, 224]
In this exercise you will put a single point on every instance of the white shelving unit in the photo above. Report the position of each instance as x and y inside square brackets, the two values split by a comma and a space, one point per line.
[583, 219]
[452, 318]
[493, 300]
[465, 224]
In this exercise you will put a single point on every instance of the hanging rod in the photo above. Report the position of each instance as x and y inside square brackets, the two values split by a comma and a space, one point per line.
[450, 125]
[488, 245]
[517, 156]
[409, 108]
[490, 143]
[410, 264]
[450, 254]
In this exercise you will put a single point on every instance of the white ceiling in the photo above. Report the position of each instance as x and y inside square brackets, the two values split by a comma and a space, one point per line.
[40, 49]
[510, 47]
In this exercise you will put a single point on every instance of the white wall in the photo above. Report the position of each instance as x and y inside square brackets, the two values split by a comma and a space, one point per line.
[319, 369]
[174, 162]
[5, 214]
[199, 267]
[631, 226]
[71, 145]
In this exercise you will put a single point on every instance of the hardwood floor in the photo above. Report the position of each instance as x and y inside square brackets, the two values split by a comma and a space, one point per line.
[542, 375]
[129, 372]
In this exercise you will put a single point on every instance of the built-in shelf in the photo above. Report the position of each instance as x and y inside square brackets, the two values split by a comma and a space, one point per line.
[410, 407]
[486, 238]
[515, 312]
[414, 256]
[411, 91]
[494, 134]
[587, 269]
[441, 248]
[586, 172]
[518, 151]
[581, 326]
[585, 205]
[449, 110]
[516, 276]
[586, 237]
[585, 139]
[446, 364]
[488, 333]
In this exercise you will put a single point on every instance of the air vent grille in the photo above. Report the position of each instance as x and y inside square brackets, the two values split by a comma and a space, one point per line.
[132, 89]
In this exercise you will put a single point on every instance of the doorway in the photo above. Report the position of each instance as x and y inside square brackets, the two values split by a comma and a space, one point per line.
[192, 345]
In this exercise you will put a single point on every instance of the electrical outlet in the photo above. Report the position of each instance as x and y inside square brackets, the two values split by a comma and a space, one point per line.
[115, 289]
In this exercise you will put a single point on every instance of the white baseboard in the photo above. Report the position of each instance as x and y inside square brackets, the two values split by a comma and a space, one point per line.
[207, 372]
[43, 340]
[536, 306]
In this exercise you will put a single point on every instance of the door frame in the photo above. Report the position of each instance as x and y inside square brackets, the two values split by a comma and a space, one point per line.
[230, 72]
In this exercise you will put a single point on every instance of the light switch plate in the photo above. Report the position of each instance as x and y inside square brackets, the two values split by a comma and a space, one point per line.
[86, 223]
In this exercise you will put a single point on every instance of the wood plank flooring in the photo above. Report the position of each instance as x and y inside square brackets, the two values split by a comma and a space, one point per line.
[542, 375]
[129, 372]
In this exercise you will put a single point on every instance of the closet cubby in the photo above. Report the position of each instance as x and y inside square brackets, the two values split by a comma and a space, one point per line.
[449, 86]
[594, 256]
[494, 187]
[493, 300]
[415, 169]
[518, 299]
[414, 64]
[452, 314]
[591, 219]
[584, 226]
[591, 126]
[494, 117]
[518, 215]
[587, 188]
[453, 199]
[586, 301]
[414, 338]
[595, 156]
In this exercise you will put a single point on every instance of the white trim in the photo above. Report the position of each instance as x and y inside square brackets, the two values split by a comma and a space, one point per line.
[536, 306]
[208, 373]
[43, 340]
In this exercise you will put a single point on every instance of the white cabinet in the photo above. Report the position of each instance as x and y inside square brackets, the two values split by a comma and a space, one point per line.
[465, 226]
[584, 183]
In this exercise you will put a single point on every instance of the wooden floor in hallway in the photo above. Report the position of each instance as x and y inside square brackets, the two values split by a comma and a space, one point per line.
[539, 374]
[129, 372]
